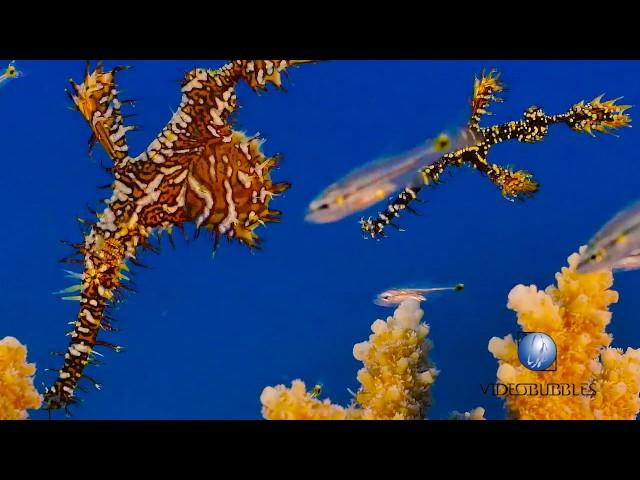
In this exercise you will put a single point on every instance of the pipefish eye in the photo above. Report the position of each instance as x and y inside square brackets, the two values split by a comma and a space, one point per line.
[11, 71]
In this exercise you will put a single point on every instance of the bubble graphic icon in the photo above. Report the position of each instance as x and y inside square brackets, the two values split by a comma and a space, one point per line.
[537, 351]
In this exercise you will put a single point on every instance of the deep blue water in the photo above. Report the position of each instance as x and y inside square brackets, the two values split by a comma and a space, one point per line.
[203, 337]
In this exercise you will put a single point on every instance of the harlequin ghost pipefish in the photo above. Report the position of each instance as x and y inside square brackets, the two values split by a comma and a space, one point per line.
[595, 115]
[198, 169]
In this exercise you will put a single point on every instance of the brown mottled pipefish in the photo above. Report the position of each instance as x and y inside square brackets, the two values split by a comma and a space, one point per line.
[198, 169]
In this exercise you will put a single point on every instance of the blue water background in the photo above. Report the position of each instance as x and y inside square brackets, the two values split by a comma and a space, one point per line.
[203, 337]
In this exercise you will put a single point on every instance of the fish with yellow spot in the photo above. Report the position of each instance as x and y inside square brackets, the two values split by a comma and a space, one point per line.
[374, 182]
[10, 73]
[616, 246]
[316, 391]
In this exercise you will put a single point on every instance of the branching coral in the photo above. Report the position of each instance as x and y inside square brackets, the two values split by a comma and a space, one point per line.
[592, 380]
[295, 403]
[397, 374]
[395, 380]
[534, 127]
[17, 393]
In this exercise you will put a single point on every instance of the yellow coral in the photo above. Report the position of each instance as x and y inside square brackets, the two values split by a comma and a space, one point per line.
[395, 380]
[599, 382]
[475, 414]
[17, 393]
[397, 374]
[295, 403]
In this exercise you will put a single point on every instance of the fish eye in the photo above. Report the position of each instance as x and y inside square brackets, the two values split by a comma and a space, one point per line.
[11, 71]
[597, 256]
[324, 206]
[442, 143]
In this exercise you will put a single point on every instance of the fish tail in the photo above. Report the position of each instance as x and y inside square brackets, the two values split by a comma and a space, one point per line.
[103, 261]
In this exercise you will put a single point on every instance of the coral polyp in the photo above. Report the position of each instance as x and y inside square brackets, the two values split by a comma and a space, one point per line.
[197, 170]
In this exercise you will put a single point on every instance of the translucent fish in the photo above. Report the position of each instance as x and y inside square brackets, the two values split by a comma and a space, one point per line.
[374, 182]
[616, 246]
[395, 296]
[10, 73]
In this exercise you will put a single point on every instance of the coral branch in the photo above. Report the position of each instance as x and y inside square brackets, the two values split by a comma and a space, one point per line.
[17, 393]
[592, 380]
[295, 403]
[395, 380]
[397, 373]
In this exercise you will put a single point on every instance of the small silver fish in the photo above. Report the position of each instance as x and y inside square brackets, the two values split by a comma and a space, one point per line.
[374, 182]
[396, 296]
[616, 246]
[10, 73]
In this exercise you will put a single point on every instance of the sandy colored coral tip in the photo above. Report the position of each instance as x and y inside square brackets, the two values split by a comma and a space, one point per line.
[591, 380]
[17, 393]
[395, 379]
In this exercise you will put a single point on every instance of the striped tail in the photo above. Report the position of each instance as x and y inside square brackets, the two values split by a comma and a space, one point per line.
[101, 280]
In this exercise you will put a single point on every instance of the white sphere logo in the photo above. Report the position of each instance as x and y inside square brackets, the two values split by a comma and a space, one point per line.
[537, 351]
